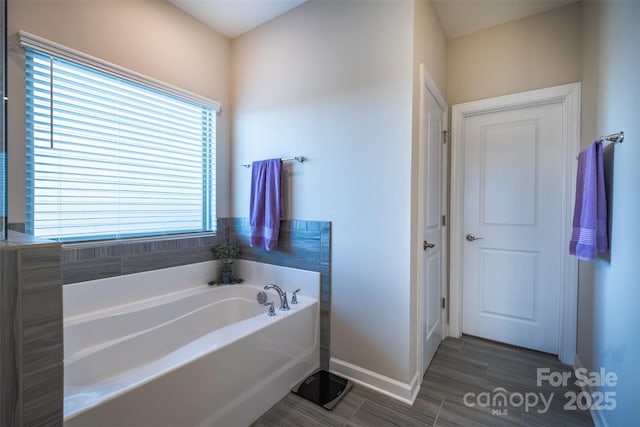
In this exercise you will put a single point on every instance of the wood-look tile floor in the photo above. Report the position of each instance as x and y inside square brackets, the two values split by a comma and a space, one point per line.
[467, 366]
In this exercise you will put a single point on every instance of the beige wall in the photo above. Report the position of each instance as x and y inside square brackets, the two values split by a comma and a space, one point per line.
[429, 45]
[153, 38]
[609, 291]
[527, 54]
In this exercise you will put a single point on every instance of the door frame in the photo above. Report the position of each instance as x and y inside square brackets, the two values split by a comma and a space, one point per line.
[569, 96]
[427, 83]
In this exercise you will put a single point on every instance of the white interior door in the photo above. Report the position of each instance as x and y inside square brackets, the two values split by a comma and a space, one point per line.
[432, 241]
[513, 226]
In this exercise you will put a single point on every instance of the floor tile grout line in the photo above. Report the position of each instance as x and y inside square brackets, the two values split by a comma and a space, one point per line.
[435, 421]
[354, 412]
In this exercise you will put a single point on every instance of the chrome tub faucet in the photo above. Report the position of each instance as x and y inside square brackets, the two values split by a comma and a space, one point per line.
[284, 304]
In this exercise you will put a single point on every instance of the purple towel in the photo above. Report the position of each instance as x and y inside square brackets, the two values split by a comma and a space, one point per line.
[590, 214]
[266, 209]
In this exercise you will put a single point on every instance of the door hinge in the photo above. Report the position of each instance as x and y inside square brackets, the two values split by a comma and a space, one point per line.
[444, 303]
[444, 220]
[444, 136]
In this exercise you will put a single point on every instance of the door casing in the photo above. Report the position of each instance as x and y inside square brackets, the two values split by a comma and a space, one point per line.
[569, 96]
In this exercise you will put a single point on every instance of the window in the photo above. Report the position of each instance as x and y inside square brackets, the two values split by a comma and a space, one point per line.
[111, 157]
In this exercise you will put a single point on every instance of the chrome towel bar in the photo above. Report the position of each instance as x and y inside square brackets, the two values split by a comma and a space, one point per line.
[614, 138]
[298, 159]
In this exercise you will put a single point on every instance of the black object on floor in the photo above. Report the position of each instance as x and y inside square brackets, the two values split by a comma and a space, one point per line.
[323, 388]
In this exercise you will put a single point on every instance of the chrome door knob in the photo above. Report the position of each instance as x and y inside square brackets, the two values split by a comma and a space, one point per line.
[426, 245]
[471, 237]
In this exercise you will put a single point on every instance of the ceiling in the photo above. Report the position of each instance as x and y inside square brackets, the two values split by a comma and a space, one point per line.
[234, 17]
[231, 18]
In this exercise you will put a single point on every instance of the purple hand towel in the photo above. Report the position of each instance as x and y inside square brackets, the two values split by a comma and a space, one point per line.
[590, 213]
[266, 208]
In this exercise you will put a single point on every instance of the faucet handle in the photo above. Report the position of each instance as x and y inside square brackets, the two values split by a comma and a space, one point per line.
[294, 298]
[272, 310]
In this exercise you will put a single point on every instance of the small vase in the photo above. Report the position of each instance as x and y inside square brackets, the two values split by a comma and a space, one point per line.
[226, 277]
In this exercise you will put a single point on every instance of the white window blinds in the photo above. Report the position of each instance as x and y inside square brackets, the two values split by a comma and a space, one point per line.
[109, 158]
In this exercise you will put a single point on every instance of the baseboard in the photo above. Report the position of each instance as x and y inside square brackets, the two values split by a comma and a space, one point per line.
[596, 416]
[404, 392]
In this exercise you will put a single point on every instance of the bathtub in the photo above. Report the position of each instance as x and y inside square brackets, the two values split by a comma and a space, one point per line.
[192, 356]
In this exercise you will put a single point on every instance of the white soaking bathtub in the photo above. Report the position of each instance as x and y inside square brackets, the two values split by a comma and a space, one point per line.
[197, 356]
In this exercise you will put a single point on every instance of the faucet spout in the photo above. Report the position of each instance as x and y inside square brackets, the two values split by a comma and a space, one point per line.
[284, 304]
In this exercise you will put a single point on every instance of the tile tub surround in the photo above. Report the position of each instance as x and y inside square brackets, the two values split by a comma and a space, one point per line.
[97, 260]
[16, 226]
[302, 244]
[31, 368]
